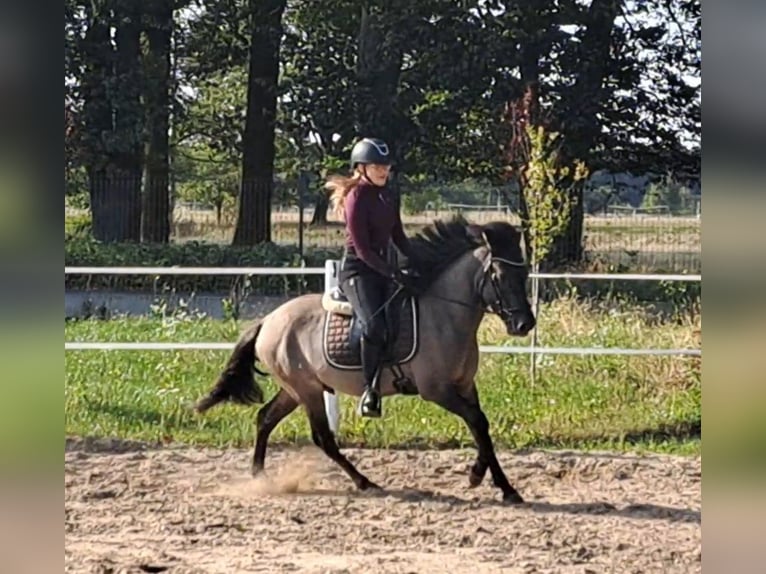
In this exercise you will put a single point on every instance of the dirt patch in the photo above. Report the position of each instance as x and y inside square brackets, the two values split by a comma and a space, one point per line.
[135, 509]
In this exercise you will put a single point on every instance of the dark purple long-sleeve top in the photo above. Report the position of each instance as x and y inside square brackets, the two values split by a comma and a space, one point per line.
[372, 220]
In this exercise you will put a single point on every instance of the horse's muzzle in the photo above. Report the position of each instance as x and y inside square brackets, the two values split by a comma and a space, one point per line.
[520, 324]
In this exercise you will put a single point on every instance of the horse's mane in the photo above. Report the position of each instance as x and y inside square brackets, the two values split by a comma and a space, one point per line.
[440, 243]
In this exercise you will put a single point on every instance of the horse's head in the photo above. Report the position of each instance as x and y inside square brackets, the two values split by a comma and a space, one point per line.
[503, 284]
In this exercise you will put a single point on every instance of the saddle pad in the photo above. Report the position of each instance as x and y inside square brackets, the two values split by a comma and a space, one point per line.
[342, 355]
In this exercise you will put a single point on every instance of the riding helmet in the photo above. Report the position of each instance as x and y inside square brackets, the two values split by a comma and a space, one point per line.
[370, 150]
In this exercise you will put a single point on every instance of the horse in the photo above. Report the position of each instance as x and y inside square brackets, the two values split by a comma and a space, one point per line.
[466, 270]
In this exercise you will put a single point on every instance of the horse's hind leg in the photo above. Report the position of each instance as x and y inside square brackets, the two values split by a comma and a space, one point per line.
[324, 439]
[269, 416]
[470, 411]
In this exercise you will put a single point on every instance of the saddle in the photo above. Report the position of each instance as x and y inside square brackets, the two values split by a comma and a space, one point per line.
[342, 333]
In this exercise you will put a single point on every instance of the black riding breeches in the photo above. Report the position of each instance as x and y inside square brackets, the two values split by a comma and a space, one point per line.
[367, 291]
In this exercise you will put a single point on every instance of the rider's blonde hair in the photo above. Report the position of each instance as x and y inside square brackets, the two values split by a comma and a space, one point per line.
[340, 186]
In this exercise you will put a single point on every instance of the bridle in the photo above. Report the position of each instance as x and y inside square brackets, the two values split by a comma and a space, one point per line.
[497, 306]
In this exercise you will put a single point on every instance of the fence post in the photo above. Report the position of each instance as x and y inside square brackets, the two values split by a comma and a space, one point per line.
[302, 188]
[331, 401]
[536, 312]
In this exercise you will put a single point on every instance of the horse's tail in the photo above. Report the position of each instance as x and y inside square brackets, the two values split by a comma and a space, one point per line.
[236, 383]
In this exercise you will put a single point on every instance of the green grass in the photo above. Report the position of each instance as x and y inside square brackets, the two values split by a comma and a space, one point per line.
[607, 402]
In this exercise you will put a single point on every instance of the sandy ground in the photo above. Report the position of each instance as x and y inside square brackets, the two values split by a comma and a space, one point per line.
[133, 509]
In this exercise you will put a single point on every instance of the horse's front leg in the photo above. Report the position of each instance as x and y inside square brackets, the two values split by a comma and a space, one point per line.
[479, 469]
[449, 397]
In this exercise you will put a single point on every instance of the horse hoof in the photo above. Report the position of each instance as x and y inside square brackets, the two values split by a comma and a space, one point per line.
[369, 485]
[474, 480]
[512, 497]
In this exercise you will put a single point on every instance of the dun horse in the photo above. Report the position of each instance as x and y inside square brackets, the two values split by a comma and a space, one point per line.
[309, 347]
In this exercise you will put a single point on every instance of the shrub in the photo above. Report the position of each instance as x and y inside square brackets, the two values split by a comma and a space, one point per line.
[78, 226]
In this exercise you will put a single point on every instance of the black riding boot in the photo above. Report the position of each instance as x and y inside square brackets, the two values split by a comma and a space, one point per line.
[369, 404]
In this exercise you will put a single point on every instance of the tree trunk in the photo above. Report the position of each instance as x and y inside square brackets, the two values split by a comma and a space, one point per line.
[321, 206]
[254, 218]
[127, 157]
[568, 246]
[379, 64]
[112, 118]
[113, 204]
[524, 216]
[530, 79]
[97, 117]
[156, 209]
[581, 124]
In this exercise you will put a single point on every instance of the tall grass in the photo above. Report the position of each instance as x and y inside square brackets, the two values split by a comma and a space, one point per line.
[603, 402]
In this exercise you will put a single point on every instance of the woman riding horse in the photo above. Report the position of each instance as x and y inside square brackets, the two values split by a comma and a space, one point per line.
[372, 219]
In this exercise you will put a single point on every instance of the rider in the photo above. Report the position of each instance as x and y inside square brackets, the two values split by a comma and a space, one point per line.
[372, 219]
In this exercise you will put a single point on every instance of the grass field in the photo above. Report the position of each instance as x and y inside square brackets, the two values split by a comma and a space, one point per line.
[622, 403]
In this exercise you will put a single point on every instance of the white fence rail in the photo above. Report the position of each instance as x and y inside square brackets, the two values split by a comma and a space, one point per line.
[150, 346]
[321, 270]
[535, 350]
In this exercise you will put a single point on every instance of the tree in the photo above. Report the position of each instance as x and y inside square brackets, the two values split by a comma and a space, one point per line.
[547, 193]
[579, 122]
[622, 95]
[434, 78]
[254, 218]
[316, 114]
[112, 117]
[357, 68]
[158, 25]
[206, 176]
[212, 50]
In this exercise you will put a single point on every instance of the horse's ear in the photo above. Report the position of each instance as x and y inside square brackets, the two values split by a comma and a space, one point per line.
[474, 231]
[478, 233]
